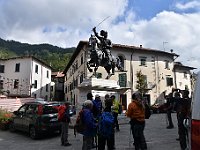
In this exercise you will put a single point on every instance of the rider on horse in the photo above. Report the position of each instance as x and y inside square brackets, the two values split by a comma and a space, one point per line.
[104, 45]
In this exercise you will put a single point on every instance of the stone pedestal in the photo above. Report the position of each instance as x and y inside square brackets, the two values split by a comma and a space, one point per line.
[99, 86]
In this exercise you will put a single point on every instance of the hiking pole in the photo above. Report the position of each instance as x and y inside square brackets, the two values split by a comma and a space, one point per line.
[95, 138]
[130, 137]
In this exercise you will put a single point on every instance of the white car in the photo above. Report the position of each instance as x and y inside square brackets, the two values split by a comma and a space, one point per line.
[194, 130]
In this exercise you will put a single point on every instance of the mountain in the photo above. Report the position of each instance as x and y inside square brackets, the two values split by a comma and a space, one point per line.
[55, 56]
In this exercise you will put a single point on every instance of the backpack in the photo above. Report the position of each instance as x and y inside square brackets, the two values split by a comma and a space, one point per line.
[61, 113]
[105, 126]
[79, 126]
[147, 111]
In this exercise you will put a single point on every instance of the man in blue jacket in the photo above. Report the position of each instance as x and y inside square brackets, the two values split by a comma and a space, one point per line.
[90, 125]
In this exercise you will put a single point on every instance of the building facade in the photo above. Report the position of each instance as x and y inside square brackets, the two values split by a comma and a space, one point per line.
[157, 66]
[25, 76]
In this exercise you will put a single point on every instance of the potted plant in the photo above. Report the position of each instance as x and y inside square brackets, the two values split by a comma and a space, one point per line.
[5, 118]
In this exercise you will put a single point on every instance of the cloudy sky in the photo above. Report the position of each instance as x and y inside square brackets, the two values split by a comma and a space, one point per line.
[159, 24]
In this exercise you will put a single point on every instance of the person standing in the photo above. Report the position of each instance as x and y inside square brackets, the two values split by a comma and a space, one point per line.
[106, 134]
[90, 125]
[183, 112]
[97, 106]
[136, 113]
[169, 108]
[115, 111]
[65, 120]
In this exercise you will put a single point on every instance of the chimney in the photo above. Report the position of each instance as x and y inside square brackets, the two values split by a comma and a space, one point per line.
[140, 46]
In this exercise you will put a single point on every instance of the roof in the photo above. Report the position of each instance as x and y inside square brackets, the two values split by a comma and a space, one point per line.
[81, 44]
[179, 65]
[32, 57]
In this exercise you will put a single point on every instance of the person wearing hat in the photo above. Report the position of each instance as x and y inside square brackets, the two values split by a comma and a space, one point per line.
[136, 112]
[90, 125]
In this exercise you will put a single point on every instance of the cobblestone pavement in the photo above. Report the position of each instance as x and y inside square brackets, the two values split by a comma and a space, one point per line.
[157, 137]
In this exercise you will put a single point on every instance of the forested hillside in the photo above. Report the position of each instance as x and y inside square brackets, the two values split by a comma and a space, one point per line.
[55, 56]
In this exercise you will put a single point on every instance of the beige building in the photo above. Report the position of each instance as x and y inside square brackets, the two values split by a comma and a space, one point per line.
[157, 66]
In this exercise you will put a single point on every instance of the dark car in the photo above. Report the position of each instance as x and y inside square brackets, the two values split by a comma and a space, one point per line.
[36, 118]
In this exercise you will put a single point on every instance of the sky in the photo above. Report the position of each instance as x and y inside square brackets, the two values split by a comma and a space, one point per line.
[156, 24]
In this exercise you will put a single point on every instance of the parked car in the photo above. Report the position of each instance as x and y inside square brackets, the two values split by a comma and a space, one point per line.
[36, 118]
[194, 123]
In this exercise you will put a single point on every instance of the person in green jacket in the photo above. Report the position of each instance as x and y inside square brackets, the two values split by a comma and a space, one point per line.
[115, 111]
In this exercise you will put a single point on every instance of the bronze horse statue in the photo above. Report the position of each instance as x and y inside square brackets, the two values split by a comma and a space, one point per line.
[98, 58]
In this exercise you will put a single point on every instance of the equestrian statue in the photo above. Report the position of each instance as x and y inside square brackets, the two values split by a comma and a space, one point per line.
[100, 54]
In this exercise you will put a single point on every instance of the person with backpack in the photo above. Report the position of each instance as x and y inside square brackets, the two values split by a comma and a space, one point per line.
[136, 112]
[115, 111]
[97, 106]
[106, 128]
[64, 118]
[90, 125]
[94, 111]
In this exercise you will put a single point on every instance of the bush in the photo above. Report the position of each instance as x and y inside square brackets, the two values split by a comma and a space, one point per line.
[5, 118]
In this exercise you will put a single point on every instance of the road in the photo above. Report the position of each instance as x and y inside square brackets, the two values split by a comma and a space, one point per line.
[157, 137]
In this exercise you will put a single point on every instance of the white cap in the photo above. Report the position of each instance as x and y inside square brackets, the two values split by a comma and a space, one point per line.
[87, 103]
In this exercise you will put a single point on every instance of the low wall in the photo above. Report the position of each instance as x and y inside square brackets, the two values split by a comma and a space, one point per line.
[13, 104]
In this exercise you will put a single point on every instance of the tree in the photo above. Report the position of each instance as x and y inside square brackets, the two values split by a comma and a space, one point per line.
[141, 85]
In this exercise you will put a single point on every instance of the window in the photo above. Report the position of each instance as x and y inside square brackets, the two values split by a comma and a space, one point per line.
[36, 68]
[66, 89]
[186, 87]
[47, 74]
[1, 84]
[23, 109]
[81, 78]
[81, 59]
[35, 84]
[143, 61]
[145, 80]
[47, 87]
[166, 64]
[121, 62]
[76, 65]
[51, 88]
[16, 84]
[2, 68]
[122, 79]
[17, 67]
[169, 81]
[185, 75]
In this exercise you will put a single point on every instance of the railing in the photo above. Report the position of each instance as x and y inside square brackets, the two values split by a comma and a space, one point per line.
[13, 104]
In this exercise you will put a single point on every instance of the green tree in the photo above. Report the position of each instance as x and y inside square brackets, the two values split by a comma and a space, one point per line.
[141, 85]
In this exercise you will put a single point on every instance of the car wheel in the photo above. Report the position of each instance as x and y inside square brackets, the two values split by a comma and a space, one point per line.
[11, 127]
[33, 133]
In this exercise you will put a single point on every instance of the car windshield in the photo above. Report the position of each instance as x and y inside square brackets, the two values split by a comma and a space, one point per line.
[49, 109]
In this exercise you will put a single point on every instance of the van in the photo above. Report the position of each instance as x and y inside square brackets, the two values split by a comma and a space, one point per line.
[194, 130]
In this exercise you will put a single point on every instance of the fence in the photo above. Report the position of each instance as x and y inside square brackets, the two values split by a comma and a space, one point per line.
[13, 104]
